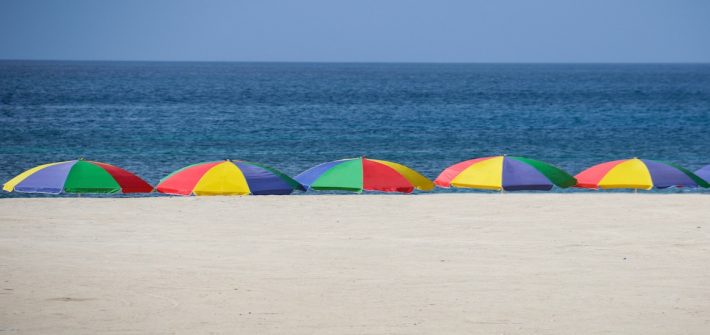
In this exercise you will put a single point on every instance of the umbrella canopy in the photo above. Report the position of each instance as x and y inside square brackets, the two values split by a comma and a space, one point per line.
[78, 176]
[227, 178]
[704, 173]
[507, 173]
[357, 174]
[637, 174]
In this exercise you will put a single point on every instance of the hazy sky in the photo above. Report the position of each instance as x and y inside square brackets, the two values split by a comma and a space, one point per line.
[358, 30]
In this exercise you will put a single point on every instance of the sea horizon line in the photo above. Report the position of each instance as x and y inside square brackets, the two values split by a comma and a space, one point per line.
[50, 60]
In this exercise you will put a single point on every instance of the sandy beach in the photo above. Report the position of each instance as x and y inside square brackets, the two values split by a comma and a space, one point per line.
[375, 264]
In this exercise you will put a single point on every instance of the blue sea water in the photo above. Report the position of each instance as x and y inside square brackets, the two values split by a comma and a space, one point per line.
[155, 117]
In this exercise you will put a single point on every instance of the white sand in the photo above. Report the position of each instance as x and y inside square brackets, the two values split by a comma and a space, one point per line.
[427, 264]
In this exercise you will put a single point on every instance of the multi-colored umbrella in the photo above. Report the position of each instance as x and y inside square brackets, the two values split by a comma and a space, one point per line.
[227, 178]
[637, 174]
[507, 173]
[704, 173]
[357, 174]
[78, 176]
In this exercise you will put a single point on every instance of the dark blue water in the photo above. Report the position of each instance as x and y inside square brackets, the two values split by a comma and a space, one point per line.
[152, 118]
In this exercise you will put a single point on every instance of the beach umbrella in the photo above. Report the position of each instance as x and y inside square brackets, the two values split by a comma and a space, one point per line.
[637, 174]
[357, 174]
[77, 176]
[227, 177]
[704, 173]
[507, 173]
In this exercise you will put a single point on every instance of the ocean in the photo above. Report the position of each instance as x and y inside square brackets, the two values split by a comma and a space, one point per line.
[155, 117]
